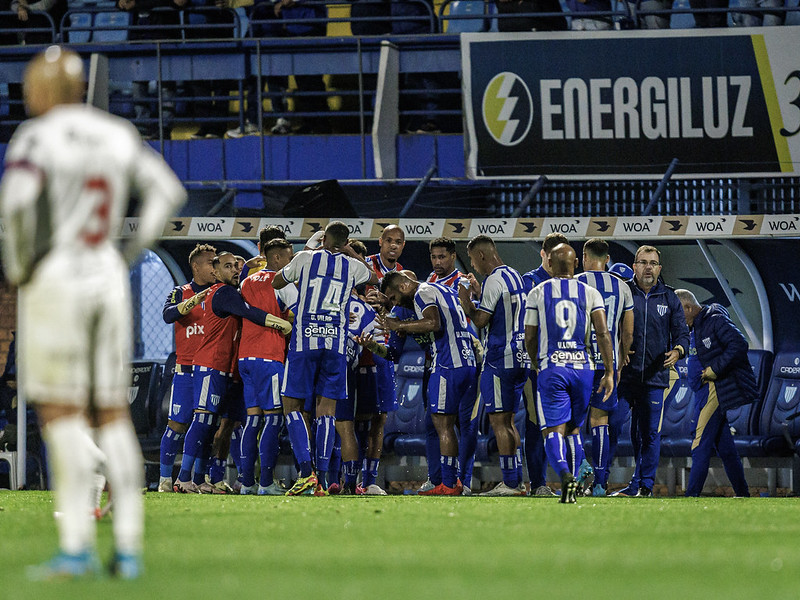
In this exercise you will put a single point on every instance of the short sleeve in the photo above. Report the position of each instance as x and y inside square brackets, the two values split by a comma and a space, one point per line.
[361, 272]
[532, 308]
[491, 294]
[627, 298]
[594, 299]
[291, 272]
[287, 297]
[425, 297]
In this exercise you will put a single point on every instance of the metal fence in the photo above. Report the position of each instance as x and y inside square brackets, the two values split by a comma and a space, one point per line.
[150, 284]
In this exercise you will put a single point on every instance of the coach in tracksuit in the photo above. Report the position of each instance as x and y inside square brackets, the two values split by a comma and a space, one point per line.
[722, 379]
[660, 339]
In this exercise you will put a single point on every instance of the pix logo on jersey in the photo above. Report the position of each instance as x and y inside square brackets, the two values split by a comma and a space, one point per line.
[507, 108]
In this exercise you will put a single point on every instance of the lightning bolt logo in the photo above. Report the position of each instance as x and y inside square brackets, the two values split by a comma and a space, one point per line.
[507, 109]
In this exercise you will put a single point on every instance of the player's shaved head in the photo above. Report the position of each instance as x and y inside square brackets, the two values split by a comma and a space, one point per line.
[393, 230]
[563, 261]
[53, 77]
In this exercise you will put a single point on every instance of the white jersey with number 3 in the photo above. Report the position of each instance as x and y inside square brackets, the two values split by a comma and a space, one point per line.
[68, 177]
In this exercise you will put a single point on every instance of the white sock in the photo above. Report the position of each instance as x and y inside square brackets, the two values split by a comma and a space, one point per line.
[125, 471]
[73, 474]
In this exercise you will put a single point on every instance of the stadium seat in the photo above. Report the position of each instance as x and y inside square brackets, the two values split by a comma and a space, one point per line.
[405, 428]
[677, 424]
[781, 401]
[111, 26]
[761, 361]
[82, 20]
[682, 20]
[463, 8]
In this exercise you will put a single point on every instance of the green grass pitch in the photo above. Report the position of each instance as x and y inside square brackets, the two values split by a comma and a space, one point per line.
[412, 547]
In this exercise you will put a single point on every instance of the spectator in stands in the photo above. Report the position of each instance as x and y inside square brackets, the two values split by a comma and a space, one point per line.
[264, 23]
[316, 26]
[150, 20]
[535, 457]
[661, 21]
[24, 9]
[757, 19]
[596, 23]
[211, 98]
[530, 23]
[560, 314]
[709, 19]
[660, 339]
[183, 308]
[722, 379]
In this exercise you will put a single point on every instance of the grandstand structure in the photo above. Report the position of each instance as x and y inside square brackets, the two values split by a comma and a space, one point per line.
[727, 233]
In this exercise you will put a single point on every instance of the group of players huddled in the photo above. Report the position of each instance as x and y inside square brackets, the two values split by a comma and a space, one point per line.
[309, 341]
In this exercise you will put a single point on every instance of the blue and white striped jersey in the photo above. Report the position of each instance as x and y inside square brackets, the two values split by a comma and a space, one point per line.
[561, 309]
[361, 323]
[325, 280]
[617, 299]
[452, 344]
[503, 296]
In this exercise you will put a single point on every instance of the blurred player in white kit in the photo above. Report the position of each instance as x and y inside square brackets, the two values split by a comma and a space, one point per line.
[69, 173]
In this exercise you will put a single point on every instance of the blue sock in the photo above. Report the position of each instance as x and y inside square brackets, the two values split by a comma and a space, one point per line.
[519, 463]
[600, 454]
[575, 453]
[557, 452]
[171, 443]
[362, 436]
[269, 448]
[432, 451]
[236, 448]
[350, 473]
[370, 471]
[508, 465]
[326, 437]
[336, 461]
[248, 449]
[196, 438]
[216, 470]
[449, 470]
[301, 444]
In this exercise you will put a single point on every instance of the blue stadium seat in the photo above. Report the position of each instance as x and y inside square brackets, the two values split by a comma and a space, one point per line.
[111, 26]
[405, 428]
[682, 20]
[761, 361]
[677, 425]
[466, 7]
[79, 20]
[781, 401]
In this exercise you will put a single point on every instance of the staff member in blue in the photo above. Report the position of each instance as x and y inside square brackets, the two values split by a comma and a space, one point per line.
[722, 379]
[660, 339]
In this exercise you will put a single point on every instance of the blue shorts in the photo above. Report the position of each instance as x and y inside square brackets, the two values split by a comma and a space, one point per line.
[562, 396]
[313, 373]
[501, 388]
[387, 393]
[596, 400]
[262, 381]
[210, 386]
[181, 397]
[232, 406]
[449, 388]
[365, 392]
[346, 409]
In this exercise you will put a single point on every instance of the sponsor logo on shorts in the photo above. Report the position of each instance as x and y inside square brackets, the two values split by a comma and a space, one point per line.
[565, 356]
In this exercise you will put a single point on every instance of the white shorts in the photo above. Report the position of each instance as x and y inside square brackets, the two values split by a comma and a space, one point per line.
[75, 330]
